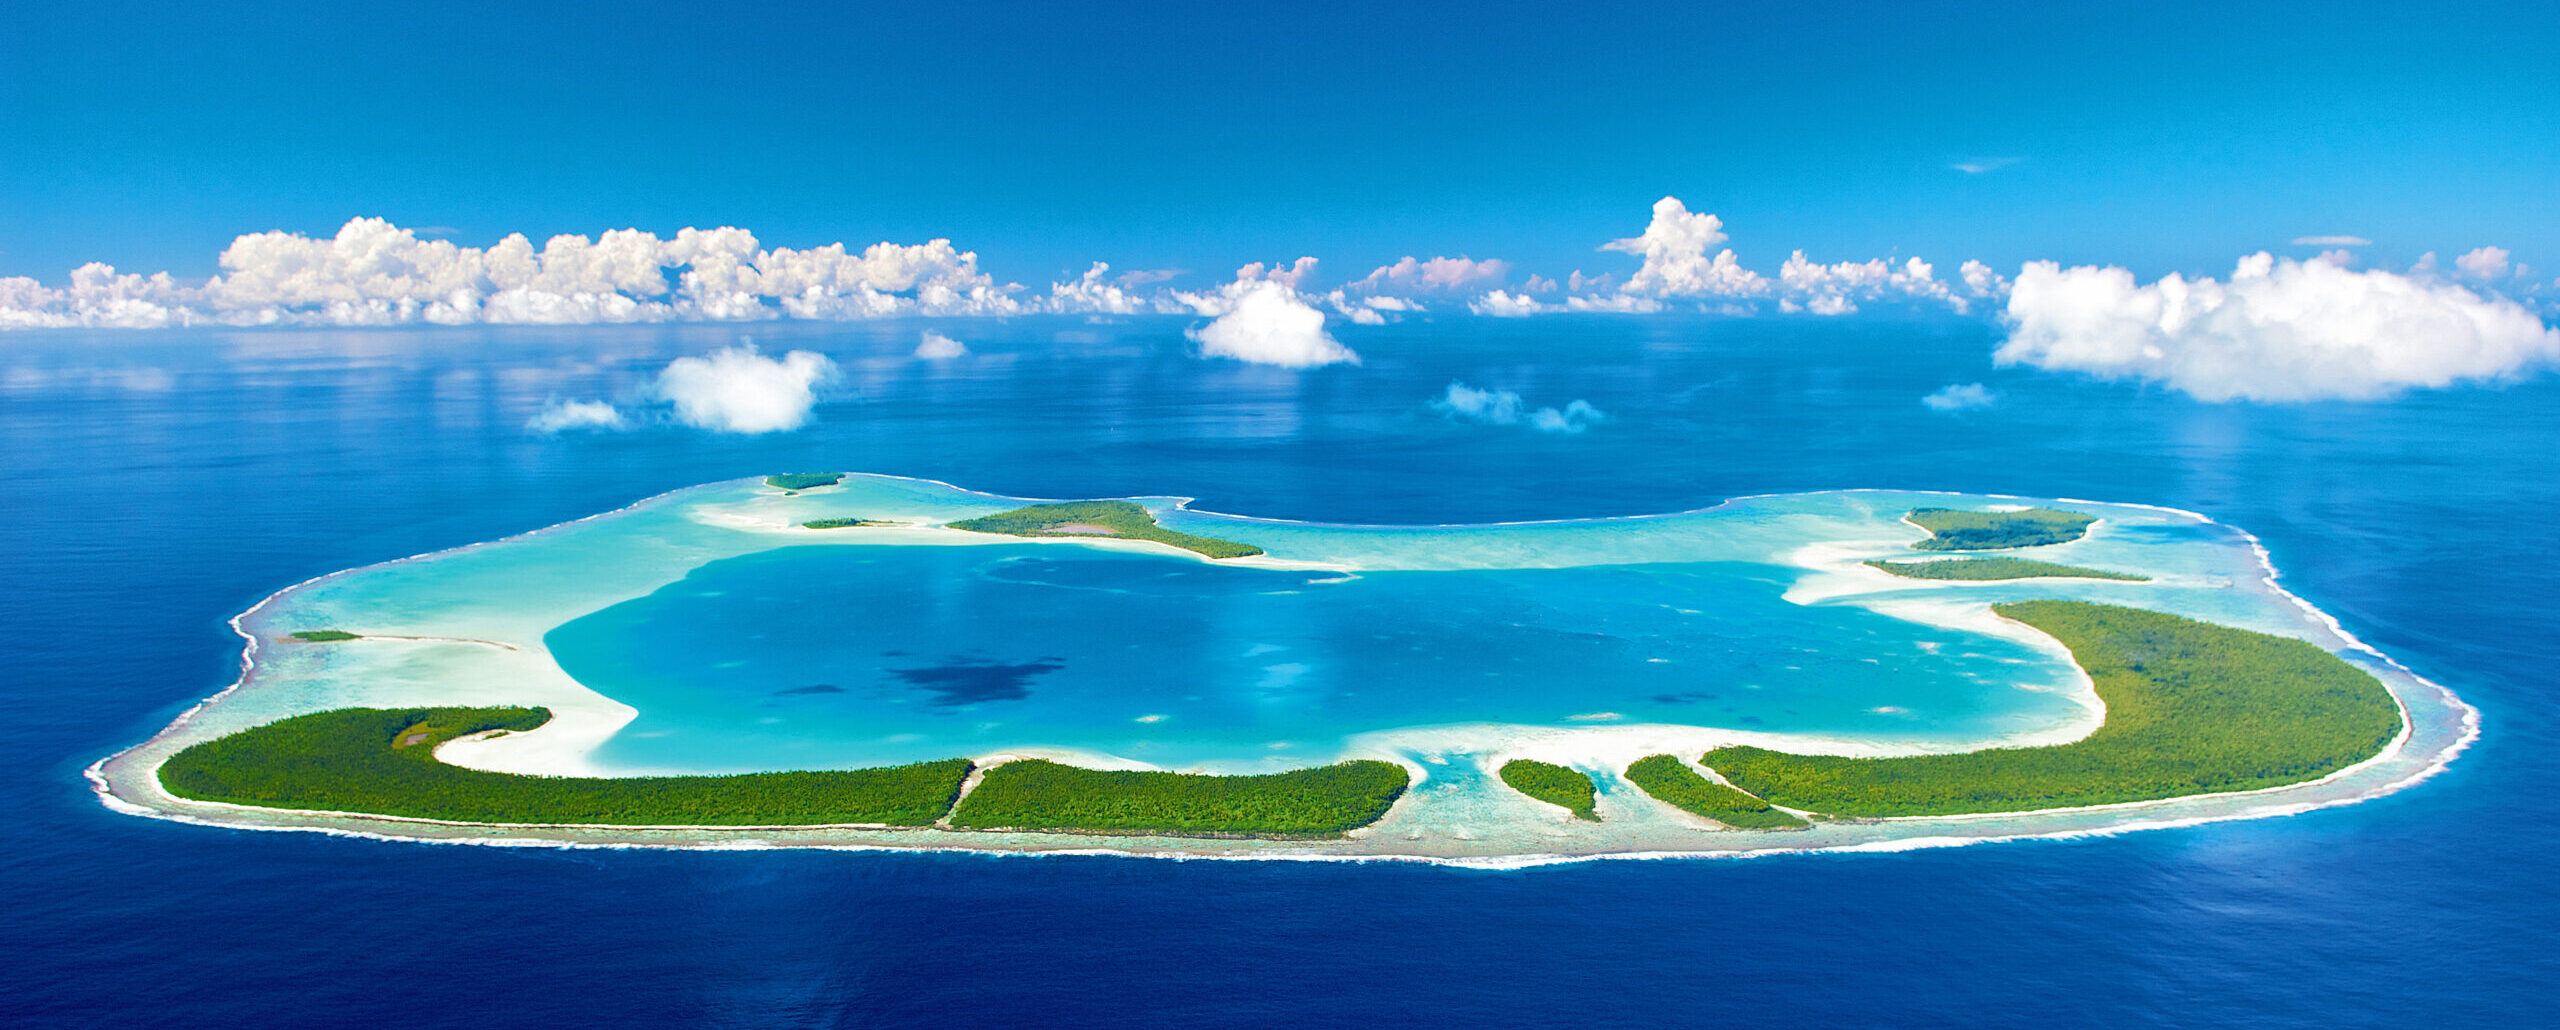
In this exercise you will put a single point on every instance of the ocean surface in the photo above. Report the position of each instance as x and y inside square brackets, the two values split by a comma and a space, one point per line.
[158, 483]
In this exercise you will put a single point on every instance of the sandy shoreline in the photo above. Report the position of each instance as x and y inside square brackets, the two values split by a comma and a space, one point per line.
[1448, 817]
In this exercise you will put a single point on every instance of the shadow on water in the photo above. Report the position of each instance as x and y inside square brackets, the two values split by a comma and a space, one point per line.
[965, 683]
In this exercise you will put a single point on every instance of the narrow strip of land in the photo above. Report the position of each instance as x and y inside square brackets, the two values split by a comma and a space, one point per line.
[382, 761]
[1117, 519]
[1042, 795]
[1980, 569]
[795, 481]
[376, 761]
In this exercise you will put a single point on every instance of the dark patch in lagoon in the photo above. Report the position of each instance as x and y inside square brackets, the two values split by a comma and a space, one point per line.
[814, 688]
[966, 682]
[1683, 699]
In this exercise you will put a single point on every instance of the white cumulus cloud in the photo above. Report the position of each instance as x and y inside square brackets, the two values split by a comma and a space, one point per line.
[2485, 263]
[1439, 273]
[1676, 265]
[1959, 397]
[1981, 282]
[1095, 294]
[375, 273]
[737, 390]
[1265, 321]
[561, 415]
[2279, 330]
[937, 347]
[1674, 248]
[1505, 408]
[1614, 303]
[1835, 289]
[1501, 304]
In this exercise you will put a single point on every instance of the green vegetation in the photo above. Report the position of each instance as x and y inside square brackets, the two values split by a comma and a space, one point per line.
[1681, 787]
[1042, 795]
[2192, 708]
[803, 480]
[1997, 568]
[1952, 530]
[382, 762]
[1123, 519]
[1556, 785]
[840, 523]
[323, 636]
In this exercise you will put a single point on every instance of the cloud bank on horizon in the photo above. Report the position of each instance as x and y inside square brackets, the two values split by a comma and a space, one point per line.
[2278, 330]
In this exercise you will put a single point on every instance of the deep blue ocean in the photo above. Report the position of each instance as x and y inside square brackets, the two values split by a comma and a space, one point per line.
[153, 484]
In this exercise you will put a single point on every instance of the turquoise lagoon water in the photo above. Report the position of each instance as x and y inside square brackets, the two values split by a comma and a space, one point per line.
[739, 642]
[858, 654]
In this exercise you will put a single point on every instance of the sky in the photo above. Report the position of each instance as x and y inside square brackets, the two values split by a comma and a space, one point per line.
[1180, 143]
[2161, 137]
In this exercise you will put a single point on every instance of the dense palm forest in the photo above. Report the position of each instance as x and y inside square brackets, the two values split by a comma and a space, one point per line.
[1953, 530]
[1996, 568]
[1565, 788]
[1121, 518]
[2192, 708]
[803, 480]
[1677, 785]
[1043, 795]
[382, 762]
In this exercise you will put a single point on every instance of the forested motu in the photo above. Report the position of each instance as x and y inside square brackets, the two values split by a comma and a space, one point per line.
[1116, 518]
[1565, 788]
[382, 762]
[1679, 786]
[1996, 568]
[2192, 708]
[803, 480]
[1953, 530]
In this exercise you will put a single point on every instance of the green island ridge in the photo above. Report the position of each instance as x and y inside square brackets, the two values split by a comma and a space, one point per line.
[1036, 794]
[842, 523]
[381, 761]
[802, 480]
[1997, 568]
[1672, 783]
[1953, 530]
[1100, 519]
[1568, 789]
[323, 636]
[376, 761]
[2192, 708]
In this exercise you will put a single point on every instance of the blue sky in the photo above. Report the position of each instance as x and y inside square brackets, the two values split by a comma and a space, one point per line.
[2158, 137]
